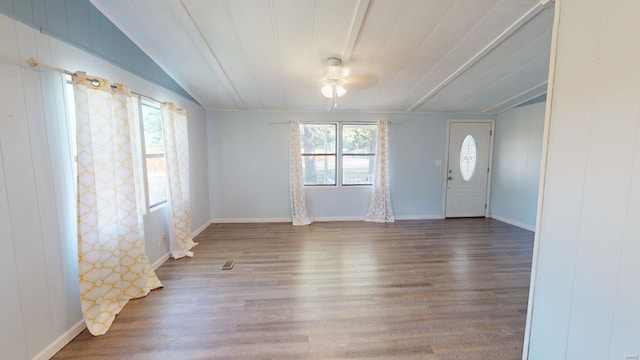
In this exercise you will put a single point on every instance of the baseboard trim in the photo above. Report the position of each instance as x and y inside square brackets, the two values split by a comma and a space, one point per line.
[61, 341]
[317, 219]
[286, 220]
[420, 217]
[339, 218]
[200, 229]
[161, 261]
[249, 220]
[76, 329]
[512, 222]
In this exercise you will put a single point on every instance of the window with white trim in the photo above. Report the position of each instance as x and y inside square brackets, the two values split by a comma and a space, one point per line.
[358, 153]
[337, 154]
[70, 102]
[149, 117]
[153, 149]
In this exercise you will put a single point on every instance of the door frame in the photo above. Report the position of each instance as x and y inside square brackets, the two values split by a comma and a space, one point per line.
[445, 164]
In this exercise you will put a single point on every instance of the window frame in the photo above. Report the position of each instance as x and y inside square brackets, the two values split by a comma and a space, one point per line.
[139, 102]
[334, 154]
[68, 92]
[339, 154]
[343, 154]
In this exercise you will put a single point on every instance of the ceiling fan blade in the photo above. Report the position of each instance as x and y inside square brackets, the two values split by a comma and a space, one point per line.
[361, 81]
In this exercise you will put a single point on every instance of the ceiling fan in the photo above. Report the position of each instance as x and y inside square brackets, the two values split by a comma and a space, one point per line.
[336, 76]
[334, 80]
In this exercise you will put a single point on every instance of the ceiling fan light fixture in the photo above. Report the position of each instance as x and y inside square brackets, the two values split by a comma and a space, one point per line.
[333, 80]
[328, 90]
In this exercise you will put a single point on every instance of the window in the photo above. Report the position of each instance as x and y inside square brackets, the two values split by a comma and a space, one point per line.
[318, 149]
[70, 102]
[358, 154]
[350, 148]
[155, 163]
[468, 158]
[152, 141]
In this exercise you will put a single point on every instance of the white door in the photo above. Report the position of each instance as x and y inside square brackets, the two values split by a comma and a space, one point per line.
[468, 169]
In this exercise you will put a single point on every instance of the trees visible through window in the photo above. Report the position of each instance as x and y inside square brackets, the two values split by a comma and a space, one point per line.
[358, 154]
[154, 153]
[318, 149]
[152, 137]
[350, 148]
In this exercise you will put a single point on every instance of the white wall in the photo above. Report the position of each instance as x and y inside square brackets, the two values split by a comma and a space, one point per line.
[516, 165]
[39, 273]
[586, 303]
[249, 166]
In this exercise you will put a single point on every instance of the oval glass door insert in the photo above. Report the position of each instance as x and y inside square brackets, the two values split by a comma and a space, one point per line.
[468, 158]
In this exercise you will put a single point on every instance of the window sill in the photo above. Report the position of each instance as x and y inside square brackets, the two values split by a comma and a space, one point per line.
[314, 187]
[158, 207]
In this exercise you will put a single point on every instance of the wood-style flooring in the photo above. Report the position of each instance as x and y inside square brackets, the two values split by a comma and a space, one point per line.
[423, 289]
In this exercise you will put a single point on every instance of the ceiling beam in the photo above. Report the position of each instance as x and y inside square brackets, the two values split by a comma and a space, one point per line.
[542, 5]
[522, 97]
[205, 48]
[354, 30]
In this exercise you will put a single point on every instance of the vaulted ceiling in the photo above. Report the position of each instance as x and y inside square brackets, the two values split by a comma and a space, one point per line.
[465, 56]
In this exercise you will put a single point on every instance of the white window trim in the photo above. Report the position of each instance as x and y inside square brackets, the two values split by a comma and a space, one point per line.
[143, 152]
[339, 154]
[140, 141]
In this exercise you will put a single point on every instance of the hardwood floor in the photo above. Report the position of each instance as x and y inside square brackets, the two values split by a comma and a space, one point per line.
[432, 289]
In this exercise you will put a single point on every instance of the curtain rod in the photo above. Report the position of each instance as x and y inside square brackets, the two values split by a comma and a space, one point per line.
[35, 63]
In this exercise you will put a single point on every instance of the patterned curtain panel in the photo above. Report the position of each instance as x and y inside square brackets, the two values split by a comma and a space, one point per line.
[296, 181]
[380, 209]
[113, 265]
[176, 140]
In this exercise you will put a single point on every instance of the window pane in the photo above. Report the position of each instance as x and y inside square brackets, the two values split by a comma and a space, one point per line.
[157, 179]
[152, 122]
[318, 138]
[468, 158]
[70, 98]
[359, 139]
[357, 170]
[319, 169]
[154, 153]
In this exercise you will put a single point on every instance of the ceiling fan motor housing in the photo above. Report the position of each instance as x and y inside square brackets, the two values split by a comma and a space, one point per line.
[332, 61]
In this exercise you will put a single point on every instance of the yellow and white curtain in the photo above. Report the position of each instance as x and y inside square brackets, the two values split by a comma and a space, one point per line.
[176, 141]
[380, 209]
[113, 265]
[296, 180]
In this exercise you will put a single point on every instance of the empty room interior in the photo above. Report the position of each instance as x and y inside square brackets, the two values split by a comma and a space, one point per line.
[320, 179]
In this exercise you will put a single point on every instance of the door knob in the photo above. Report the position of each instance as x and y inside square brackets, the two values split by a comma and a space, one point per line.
[450, 177]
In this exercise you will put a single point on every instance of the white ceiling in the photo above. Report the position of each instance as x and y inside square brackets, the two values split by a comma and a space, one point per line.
[466, 56]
